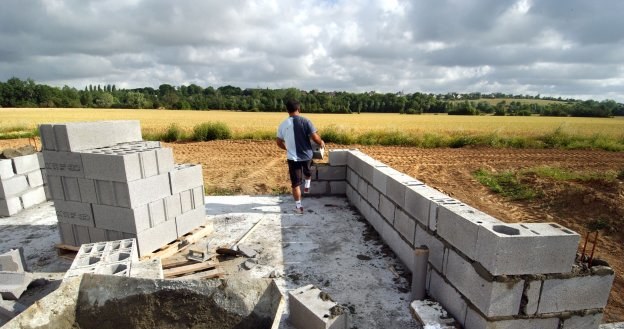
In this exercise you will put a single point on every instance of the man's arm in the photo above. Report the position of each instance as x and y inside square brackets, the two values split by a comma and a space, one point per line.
[280, 143]
[317, 139]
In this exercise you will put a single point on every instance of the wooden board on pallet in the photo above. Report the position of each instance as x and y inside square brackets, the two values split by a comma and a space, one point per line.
[187, 269]
[215, 273]
[66, 251]
[181, 243]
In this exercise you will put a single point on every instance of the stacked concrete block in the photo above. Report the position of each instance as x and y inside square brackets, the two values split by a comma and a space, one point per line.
[21, 184]
[111, 258]
[14, 278]
[119, 187]
[328, 179]
[486, 273]
[310, 308]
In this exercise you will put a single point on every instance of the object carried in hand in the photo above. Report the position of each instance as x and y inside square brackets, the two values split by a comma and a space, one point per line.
[318, 151]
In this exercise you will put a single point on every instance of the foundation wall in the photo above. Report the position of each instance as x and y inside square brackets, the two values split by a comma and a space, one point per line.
[486, 273]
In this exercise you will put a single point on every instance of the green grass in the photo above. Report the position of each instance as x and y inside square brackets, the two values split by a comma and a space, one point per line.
[506, 184]
[560, 174]
[17, 131]
[216, 190]
[209, 131]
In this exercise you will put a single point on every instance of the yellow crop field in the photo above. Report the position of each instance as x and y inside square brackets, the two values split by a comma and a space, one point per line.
[241, 122]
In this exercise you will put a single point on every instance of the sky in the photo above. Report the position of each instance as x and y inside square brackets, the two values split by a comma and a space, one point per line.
[569, 49]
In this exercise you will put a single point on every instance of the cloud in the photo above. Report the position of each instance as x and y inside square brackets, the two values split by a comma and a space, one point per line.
[571, 49]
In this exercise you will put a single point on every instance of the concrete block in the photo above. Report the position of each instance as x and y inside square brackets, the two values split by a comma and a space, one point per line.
[33, 197]
[591, 321]
[319, 188]
[386, 208]
[530, 248]
[71, 190]
[380, 176]
[13, 284]
[475, 320]
[147, 269]
[185, 177]
[331, 172]
[397, 187]
[41, 161]
[310, 308]
[105, 191]
[173, 206]
[574, 294]
[77, 213]
[491, 298]
[35, 178]
[142, 191]
[118, 166]
[77, 136]
[186, 200]
[431, 315]
[353, 178]
[67, 164]
[55, 184]
[418, 199]
[403, 250]
[122, 219]
[436, 247]
[190, 220]
[10, 206]
[449, 297]
[46, 190]
[26, 163]
[531, 295]
[66, 233]
[97, 234]
[13, 261]
[164, 157]
[6, 169]
[373, 197]
[352, 159]
[459, 224]
[362, 188]
[157, 213]
[81, 233]
[198, 197]
[405, 225]
[156, 237]
[338, 157]
[87, 189]
[48, 140]
[149, 163]
[13, 186]
[337, 187]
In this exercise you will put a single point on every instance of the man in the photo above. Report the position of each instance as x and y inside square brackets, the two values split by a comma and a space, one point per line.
[293, 135]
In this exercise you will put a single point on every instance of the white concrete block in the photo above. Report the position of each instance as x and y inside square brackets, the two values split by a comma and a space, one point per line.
[66, 232]
[173, 206]
[156, 237]
[157, 212]
[26, 163]
[380, 177]
[55, 184]
[118, 166]
[35, 178]
[77, 213]
[319, 188]
[87, 189]
[574, 294]
[77, 136]
[198, 197]
[122, 219]
[13, 186]
[67, 164]
[386, 208]
[164, 157]
[532, 295]
[10, 206]
[397, 187]
[337, 187]
[373, 197]
[46, 132]
[477, 321]
[185, 177]
[71, 190]
[362, 188]
[338, 157]
[140, 192]
[591, 321]
[353, 178]
[459, 224]
[33, 197]
[334, 173]
[529, 248]
[491, 298]
[436, 247]
[449, 297]
[418, 199]
[402, 249]
[405, 225]
[431, 315]
[308, 310]
[190, 220]
[6, 169]
[149, 163]
[186, 200]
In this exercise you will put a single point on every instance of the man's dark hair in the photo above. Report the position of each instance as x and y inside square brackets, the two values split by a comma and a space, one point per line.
[292, 106]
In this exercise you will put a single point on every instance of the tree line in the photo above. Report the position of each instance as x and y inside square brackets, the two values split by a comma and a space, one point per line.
[27, 93]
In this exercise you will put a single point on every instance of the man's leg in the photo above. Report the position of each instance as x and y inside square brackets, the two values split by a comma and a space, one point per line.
[306, 169]
[295, 172]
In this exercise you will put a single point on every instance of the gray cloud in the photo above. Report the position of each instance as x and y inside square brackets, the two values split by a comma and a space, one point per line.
[570, 49]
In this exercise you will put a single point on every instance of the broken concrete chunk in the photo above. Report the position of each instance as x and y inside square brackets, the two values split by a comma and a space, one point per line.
[147, 269]
[13, 284]
[13, 261]
[249, 264]
[431, 315]
[310, 308]
[246, 251]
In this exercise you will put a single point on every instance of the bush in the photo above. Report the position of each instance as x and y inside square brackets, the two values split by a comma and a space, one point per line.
[173, 133]
[333, 134]
[209, 131]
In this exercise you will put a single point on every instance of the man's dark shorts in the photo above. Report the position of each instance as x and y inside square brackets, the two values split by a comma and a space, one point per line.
[298, 170]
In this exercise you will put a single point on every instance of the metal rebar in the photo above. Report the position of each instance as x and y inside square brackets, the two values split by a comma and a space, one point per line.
[591, 257]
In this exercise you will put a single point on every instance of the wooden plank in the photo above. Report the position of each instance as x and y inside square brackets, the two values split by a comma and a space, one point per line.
[181, 243]
[176, 263]
[217, 272]
[66, 251]
[188, 269]
[277, 318]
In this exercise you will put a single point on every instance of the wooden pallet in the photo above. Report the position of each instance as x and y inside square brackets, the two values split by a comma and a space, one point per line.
[191, 270]
[66, 251]
[180, 243]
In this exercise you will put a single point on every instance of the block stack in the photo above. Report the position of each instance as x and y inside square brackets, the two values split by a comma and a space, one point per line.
[107, 184]
[21, 184]
[111, 258]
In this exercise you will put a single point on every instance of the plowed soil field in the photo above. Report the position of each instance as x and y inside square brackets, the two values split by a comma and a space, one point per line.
[259, 167]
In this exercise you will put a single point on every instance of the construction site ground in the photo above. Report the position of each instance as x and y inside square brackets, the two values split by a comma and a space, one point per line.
[258, 168]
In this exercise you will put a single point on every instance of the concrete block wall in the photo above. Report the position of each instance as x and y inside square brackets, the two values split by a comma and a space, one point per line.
[22, 184]
[486, 273]
[111, 258]
[131, 189]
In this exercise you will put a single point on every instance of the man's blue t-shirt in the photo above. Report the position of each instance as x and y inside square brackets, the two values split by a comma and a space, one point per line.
[295, 131]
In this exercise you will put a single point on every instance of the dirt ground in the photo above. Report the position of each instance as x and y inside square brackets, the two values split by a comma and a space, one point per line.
[258, 167]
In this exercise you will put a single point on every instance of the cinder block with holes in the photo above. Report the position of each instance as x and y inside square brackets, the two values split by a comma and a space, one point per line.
[111, 258]
[310, 308]
[529, 248]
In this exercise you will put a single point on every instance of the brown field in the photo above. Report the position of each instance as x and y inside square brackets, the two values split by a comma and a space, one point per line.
[258, 167]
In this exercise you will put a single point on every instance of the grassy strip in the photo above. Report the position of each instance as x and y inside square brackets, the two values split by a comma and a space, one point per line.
[348, 136]
[567, 175]
[506, 183]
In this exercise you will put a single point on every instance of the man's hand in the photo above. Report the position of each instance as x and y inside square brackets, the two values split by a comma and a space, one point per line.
[280, 143]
